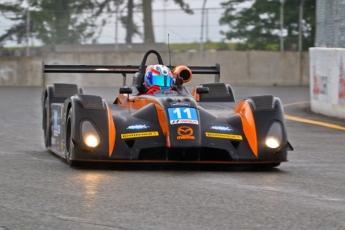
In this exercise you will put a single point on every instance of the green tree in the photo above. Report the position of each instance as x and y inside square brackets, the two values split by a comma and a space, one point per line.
[13, 12]
[52, 21]
[258, 26]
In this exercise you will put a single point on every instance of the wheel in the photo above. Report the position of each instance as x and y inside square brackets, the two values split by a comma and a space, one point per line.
[68, 141]
[47, 133]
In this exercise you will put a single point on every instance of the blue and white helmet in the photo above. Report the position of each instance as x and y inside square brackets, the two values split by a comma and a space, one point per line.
[158, 75]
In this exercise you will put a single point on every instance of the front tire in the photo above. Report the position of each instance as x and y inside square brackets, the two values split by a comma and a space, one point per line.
[69, 143]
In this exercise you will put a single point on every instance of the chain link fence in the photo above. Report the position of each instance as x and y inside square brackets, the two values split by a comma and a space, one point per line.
[330, 23]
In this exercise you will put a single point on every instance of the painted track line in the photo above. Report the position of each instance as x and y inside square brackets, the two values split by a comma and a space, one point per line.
[308, 121]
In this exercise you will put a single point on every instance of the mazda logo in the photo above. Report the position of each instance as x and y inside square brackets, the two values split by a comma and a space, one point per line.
[184, 131]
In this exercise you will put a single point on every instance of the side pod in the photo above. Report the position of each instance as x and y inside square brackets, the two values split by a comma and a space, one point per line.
[259, 114]
[88, 111]
[56, 93]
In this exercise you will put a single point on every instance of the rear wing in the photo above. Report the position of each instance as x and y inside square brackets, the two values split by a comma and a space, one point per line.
[119, 69]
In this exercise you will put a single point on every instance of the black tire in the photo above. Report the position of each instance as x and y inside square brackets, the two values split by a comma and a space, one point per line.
[47, 133]
[68, 141]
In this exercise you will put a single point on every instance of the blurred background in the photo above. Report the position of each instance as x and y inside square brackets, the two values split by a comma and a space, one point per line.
[188, 24]
[256, 42]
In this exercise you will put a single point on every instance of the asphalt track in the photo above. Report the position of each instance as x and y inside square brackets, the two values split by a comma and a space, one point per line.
[39, 191]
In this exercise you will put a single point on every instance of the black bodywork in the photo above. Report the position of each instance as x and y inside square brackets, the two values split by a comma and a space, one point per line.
[143, 128]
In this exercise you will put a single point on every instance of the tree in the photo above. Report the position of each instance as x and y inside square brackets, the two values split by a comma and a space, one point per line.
[52, 21]
[258, 25]
[127, 21]
[63, 21]
[13, 12]
[147, 19]
[109, 7]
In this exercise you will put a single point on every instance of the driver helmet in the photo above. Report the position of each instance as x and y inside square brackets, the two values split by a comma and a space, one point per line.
[158, 75]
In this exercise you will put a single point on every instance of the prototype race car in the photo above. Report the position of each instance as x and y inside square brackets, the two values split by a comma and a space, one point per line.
[202, 126]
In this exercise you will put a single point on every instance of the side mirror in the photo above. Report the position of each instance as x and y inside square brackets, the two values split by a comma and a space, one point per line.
[125, 90]
[202, 90]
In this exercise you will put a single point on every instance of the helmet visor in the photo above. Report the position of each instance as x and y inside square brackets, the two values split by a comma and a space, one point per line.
[161, 80]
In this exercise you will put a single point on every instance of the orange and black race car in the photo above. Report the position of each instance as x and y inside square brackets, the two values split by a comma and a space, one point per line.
[170, 125]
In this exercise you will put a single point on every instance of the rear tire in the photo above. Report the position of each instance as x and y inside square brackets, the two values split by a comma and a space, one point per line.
[47, 133]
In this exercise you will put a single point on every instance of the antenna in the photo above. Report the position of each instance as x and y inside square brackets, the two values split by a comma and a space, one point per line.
[169, 53]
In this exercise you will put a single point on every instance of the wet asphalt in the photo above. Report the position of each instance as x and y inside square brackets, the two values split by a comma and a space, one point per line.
[40, 191]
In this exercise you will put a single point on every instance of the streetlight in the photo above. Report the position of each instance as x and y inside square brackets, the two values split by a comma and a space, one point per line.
[300, 32]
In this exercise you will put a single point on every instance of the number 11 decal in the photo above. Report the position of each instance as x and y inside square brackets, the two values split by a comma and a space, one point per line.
[183, 115]
[178, 112]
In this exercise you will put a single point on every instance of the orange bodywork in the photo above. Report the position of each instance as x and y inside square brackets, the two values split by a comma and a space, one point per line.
[248, 123]
[140, 102]
[177, 72]
[112, 132]
[195, 95]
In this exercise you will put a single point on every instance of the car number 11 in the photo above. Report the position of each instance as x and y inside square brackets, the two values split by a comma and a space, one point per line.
[183, 115]
[186, 110]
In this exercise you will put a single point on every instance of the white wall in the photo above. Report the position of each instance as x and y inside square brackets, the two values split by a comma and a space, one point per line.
[252, 68]
[327, 81]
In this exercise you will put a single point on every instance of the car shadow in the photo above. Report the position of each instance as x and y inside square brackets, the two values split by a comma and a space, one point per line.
[174, 167]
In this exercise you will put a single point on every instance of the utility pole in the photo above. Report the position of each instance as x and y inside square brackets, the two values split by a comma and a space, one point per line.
[207, 38]
[117, 3]
[116, 26]
[202, 26]
[28, 29]
[165, 20]
[300, 30]
[282, 25]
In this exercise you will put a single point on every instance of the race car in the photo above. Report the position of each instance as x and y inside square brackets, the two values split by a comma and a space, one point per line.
[176, 125]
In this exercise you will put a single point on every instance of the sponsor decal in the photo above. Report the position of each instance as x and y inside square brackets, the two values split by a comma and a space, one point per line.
[319, 86]
[102, 69]
[341, 91]
[138, 127]
[182, 121]
[180, 103]
[342, 88]
[185, 133]
[324, 82]
[223, 135]
[221, 128]
[137, 135]
[183, 115]
[56, 126]
[116, 69]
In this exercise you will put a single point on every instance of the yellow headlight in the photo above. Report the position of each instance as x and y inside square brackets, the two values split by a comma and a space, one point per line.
[90, 136]
[91, 141]
[272, 142]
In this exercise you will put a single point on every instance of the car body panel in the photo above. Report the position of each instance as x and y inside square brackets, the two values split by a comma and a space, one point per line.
[175, 127]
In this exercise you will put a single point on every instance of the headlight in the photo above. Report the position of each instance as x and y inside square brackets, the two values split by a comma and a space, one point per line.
[274, 135]
[272, 142]
[89, 134]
